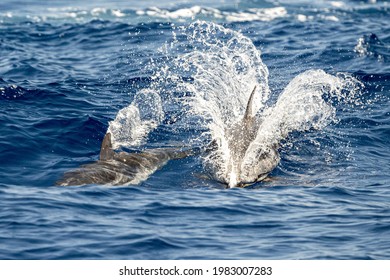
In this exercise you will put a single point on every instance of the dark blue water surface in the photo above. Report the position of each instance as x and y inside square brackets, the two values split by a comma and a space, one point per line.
[66, 69]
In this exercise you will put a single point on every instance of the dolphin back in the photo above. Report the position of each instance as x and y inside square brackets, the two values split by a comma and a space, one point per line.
[122, 168]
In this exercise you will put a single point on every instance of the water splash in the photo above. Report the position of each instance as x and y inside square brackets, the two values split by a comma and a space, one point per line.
[226, 66]
[308, 102]
[371, 45]
[133, 123]
[209, 74]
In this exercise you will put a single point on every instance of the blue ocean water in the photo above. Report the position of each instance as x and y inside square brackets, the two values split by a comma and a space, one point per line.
[66, 70]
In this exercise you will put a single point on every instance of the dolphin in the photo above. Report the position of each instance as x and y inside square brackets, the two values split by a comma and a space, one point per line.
[240, 136]
[121, 168]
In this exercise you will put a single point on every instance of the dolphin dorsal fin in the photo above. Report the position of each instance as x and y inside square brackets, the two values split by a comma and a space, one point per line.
[248, 112]
[106, 152]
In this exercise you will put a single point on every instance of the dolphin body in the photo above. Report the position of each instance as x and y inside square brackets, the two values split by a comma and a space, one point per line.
[239, 137]
[120, 168]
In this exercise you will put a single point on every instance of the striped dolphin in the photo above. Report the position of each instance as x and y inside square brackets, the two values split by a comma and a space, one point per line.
[121, 168]
[240, 136]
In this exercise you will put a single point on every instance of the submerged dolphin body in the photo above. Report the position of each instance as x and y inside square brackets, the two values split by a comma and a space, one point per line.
[239, 137]
[120, 168]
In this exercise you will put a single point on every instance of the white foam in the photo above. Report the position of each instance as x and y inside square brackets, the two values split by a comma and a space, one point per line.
[118, 13]
[62, 9]
[330, 18]
[257, 14]
[182, 14]
[176, 14]
[304, 18]
[301, 18]
[337, 4]
[98, 11]
[76, 14]
[254, 14]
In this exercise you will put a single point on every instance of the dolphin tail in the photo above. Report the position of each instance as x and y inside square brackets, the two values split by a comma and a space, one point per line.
[106, 151]
[249, 107]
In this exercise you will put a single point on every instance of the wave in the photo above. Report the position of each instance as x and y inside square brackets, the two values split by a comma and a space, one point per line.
[196, 12]
[217, 12]
[149, 14]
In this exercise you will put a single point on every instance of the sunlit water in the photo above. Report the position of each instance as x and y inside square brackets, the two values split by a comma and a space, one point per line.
[162, 74]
